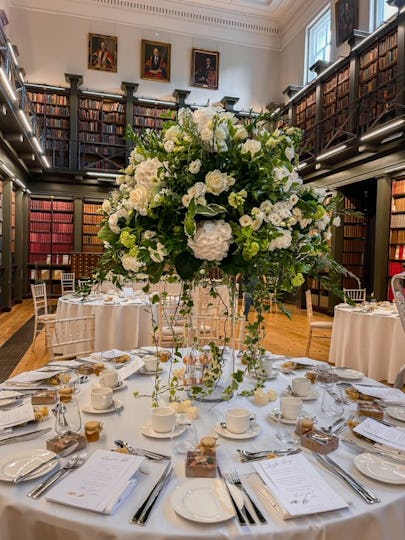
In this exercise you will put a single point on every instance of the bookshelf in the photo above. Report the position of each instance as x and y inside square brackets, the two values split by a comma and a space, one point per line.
[90, 227]
[305, 115]
[335, 106]
[378, 72]
[320, 296]
[50, 241]
[1, 242]
[396, 257]
[152, 116]
[53, 115]
[354, 244]
[101, 133]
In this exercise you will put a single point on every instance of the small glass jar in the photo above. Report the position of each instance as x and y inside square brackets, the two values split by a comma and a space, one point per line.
[93, 430]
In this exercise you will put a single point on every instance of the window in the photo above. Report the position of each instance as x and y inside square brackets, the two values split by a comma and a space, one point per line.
[381, 11]
[318, 42]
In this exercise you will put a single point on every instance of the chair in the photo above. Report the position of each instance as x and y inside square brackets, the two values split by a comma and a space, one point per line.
[356, 295]
[67, 282]
[315, 325]
[42, 316]
[171, 327]
[82, 282]
[69, 338]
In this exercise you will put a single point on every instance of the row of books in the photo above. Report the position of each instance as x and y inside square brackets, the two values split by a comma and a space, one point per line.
[55, 110]
[355, 230]
[91, 239]
[91, 229]
[398, 205]
[397, 220]
[397, 236]
[354, 244]
[47, 258]
[353, 258]
[397, 252]
[149, 111]
[389, 58]
[54, 99]
[398, 187]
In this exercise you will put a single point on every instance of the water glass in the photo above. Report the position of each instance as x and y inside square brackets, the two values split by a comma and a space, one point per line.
[68, 418]
[285, 432]
[331, 404]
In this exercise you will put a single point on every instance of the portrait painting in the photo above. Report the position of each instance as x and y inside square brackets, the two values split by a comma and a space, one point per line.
[155, 61]
[204, 69]
[347, 19]
[102, 53]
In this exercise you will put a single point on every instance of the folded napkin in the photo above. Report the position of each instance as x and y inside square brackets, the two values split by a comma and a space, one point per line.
[385, 435]
[101, 484]
[384, 393]
[296, 488]
[17, 415]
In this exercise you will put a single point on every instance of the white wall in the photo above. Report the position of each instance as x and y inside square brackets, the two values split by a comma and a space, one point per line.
[52, 44]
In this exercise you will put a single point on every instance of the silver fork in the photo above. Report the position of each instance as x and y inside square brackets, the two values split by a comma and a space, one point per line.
[250, 518]
[238, 483]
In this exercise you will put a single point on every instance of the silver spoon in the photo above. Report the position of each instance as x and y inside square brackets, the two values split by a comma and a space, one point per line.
[334, 424]
[154, 456]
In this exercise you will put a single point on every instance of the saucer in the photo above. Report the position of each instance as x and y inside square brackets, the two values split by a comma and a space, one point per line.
[274, 375]
[119, 386]
[275, 415]
[255, 430]
[311, 396]
[143, 371]
[88, 408]
[149, 432]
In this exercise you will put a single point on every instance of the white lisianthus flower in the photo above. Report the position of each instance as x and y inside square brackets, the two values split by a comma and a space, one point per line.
[266, 206]
[281, 242]
[131, 264]
[240, 133]
[139, 198]
[172, 133]
[207, 135]
[280, 173]
[289, 153]
[257, 222]
[293, 199]
[168, 146]
[251, 146]
[106, 206]
[216, 182]
[297, 212]
[336, 221]
[147, 235]
[211, 241]
[220, 134]
[195, 166]
[304, 222]
[245, 221]
[230, 180]
[186, 200]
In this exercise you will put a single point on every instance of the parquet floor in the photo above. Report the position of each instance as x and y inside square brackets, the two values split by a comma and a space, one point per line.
[283, 335]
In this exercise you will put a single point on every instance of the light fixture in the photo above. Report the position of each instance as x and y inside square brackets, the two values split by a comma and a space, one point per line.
[395, 169]
[12, 52]
[37, 145]
[28, 191]
[100, 94]
[382, 129]
[25, 121]
[332, 152]
[102, 175]
[45, 161]
[7, 85]
[6, 169]
[48, 87]
[156, 101]
[393, 137]
[302, 165]
[18, 181]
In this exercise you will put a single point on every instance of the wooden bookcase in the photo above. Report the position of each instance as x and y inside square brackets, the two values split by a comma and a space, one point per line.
[305, 115]
[378, 71]
[53, 115]
[101, 133]
[1, 242]
[335, 106]
[50, 241]
[152, 116]
[396, 260]
[91, 243]
[354, 244]
[320, 296]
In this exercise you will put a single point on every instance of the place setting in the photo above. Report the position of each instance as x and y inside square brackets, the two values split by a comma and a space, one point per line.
[239, 424]
[164, 424]
[301, 387]
[102, 401]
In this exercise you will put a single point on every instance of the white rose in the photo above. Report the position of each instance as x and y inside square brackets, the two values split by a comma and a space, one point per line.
[336, 221]
[195, 166]
[168, 146]
[120, 180]
[172, 133]
[266, 206]
[199, 189]
[240, 133]
[211, 241]
[289, 152]
[147, 172]
[139, 197]
[216, 182]
[131, 264]
[106, 206]
[245, 221]
[207, 135]
[251, 146]
[230, 180]
[113, 223]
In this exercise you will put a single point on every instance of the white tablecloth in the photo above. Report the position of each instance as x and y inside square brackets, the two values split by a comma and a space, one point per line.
[372, 342]
[122, 325]
[23, 518]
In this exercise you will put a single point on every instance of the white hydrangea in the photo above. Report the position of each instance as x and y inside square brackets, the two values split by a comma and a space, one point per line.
[131, 264]
[147, 172]
[281, 242]
[211, 241]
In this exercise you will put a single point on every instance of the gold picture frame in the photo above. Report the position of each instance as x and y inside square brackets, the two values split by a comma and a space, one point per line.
[155, 61]
[205, 68]
[102, 53]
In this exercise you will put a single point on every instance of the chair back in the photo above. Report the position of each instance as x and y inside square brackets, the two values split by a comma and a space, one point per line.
[172, 325]
[82, 282]
[67, 282]
[356, 295]
[68, 338]
[308, 301]
[39, 296]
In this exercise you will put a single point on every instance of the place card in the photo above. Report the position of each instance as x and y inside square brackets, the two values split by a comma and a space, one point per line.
[385, 393]
[389, 436]
[17, 415]
[297, 487]
[129, 369]
[101, 484]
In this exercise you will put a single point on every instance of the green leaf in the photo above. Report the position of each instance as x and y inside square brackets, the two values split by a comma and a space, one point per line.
[210, 210]
[189, 221]
[106, 234]
[187, 265]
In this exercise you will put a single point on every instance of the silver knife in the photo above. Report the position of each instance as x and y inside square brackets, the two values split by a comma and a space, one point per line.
[25, 436]
[146, 503]
[381, 453]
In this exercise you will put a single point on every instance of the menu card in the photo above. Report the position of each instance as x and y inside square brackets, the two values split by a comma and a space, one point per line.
[382, 434]
[385, 393]
[297, 487]
[17, 415]
[129, 369]
[101, 484]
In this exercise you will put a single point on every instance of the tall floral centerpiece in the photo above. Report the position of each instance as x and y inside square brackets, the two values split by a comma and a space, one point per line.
[212, 191]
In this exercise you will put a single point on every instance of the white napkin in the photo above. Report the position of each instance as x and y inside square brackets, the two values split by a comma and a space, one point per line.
[17, 415]
[384, 393]
[101, 484]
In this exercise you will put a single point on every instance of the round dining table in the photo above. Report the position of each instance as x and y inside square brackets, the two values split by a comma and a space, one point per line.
[24, 518]
[123, 323]
[369, 339]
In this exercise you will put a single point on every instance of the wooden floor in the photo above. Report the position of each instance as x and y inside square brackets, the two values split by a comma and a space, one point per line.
[283, 335]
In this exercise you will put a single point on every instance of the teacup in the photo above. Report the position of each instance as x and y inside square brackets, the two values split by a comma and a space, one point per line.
[301, 386]
[108, 377]
[291, 407]
[151, 362]
[163, 419]
[101, 397]
[239, 420]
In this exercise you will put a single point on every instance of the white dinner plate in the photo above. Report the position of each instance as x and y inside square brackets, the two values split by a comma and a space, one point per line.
[381, 469]
[349, 374]
[205, 500]
[149, 432]
[90, 409]
[396, 412]
[22, 462]
[255, 430]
